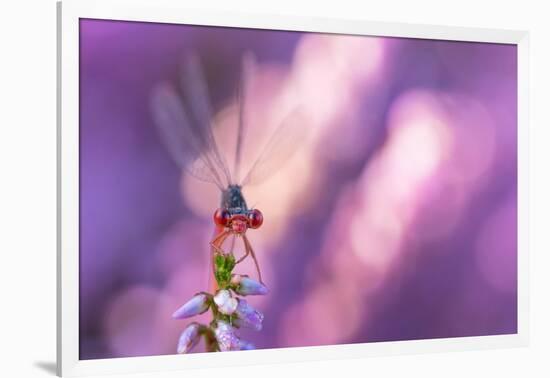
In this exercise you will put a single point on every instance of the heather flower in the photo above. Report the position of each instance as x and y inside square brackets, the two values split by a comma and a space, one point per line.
[189, 338]
[226, 304]
[228, 311]
[248, 316]
[226, 337]
[245, 285]
[228, 340]
[195, 306]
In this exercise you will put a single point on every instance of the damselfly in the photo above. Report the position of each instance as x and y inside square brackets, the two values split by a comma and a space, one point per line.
[183, 115]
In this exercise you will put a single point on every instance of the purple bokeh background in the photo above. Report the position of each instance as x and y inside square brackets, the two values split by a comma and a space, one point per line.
[397, 220]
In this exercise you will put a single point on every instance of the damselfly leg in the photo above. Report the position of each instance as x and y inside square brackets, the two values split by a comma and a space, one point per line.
[218, 241]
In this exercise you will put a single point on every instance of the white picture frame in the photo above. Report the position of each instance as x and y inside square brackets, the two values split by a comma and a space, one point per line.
[171, 11]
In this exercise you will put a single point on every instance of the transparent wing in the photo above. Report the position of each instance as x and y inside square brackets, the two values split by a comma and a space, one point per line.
[282, 145]
[188, 136]
[247, 75]
[196, 94]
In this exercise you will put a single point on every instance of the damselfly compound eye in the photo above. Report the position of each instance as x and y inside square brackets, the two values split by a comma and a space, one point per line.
[221, 217]
[255, 218]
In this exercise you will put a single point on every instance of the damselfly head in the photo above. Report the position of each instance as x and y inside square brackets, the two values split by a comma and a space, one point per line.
[240, 222]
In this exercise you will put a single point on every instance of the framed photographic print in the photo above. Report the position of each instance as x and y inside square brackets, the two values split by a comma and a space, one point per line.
[251, 188]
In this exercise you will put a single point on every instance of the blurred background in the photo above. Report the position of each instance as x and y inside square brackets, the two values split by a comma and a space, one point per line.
[394, 220]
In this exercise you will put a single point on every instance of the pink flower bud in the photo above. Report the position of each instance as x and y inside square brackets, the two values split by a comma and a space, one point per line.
[226, 304]
[226, 337]
[248, 286]
[195, 306]
[189, 338]
[248, 316]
